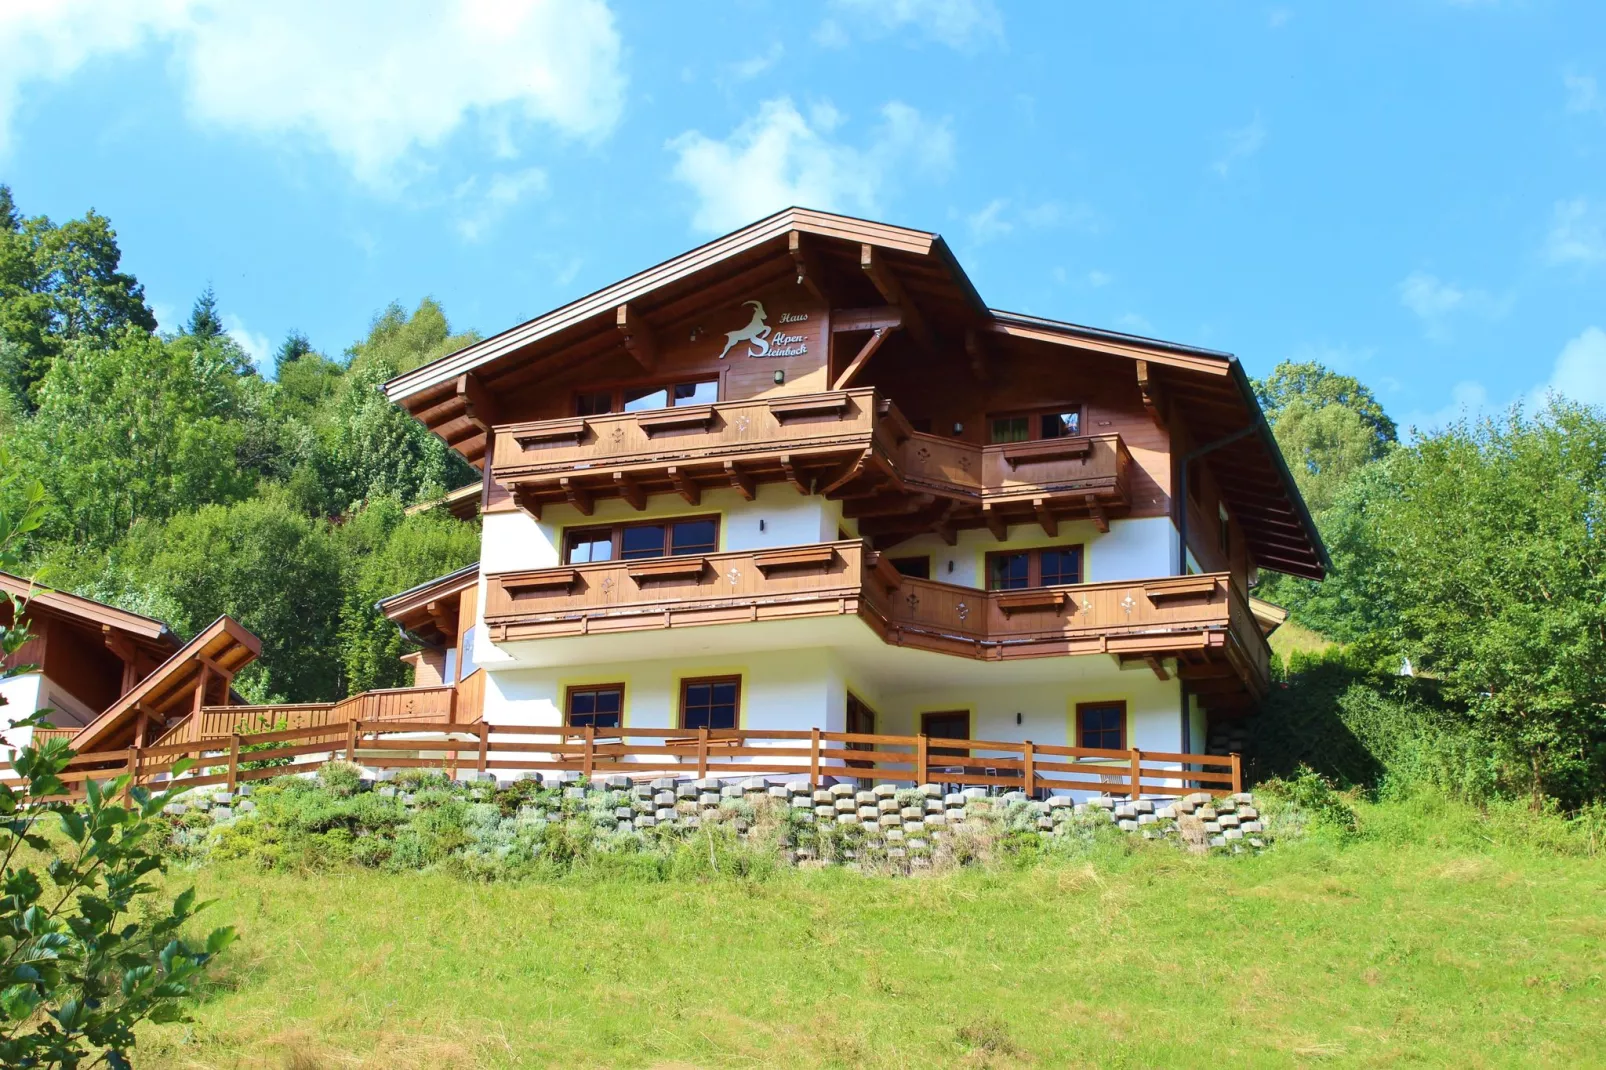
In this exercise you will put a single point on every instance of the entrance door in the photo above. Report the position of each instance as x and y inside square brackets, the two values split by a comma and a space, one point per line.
[946, 724]
[860, 721]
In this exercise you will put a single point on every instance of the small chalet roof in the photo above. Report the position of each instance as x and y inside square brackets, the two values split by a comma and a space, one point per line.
[168, 692]
[148, 631]
[463, 503]
[856, 263]
[423, 610]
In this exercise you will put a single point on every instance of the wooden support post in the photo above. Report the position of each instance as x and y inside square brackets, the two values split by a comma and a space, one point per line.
[814, 757]
[1237, 772]
[133, 773]
[922, 757]
[589, 758]
[702, 753]
[351, 741]
[1137, 774]
[234, 761]
[1029, 770]
[485, 745]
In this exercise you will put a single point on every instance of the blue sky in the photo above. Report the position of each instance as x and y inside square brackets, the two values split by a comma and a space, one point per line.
[1411, 191]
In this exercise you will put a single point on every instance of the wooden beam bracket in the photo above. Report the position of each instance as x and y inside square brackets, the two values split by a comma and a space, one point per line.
[638, 337]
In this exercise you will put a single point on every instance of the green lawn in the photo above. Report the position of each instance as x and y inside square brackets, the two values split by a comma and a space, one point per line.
[1370, 955]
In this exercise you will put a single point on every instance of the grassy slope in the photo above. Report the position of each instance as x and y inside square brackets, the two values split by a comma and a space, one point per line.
[1293, 636]
[1367, 956]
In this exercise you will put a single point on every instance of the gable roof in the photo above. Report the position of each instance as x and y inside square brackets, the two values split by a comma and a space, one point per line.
[1206, 389]
[168, 692]
[89, 612]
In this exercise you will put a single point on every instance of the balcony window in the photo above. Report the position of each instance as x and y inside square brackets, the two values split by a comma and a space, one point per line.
[1101, 725]
[1051, 566]
[1024, 427]
[646, 396]
[633, 542]
[596, 707]
[917, 567]
[710, 702]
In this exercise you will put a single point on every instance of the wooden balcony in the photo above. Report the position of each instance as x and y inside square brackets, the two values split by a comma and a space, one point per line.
[1201, 620]
[848, 444]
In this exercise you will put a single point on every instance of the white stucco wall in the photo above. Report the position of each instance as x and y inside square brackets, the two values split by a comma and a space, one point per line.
[1136, 549]
[22, 695]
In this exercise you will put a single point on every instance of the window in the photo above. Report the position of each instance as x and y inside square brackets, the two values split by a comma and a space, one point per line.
[918, 567]
[1061, 423]
[632, 542]
[1101, 725]
[710, 702]
[596, 707]
[1012, 570]
[646, 396]
[946, 724]
[860, 721]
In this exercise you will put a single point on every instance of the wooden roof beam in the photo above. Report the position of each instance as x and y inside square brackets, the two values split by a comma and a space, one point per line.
[873, 263]
[684, 483]
[995, 521]
[478, 405]
[809, 275]
[630, 490]
[1149, 390]
[524, 497]
[976, 350]
[865, 353]
[794, 474]
[1051, 526]
[865, 319]
[740, 480]
[578, 496]
[1095, 509]
[638, 337]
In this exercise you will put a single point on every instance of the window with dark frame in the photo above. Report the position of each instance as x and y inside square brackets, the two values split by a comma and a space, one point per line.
[918, 567]
[633, 542]
[599, 706]
[1101, 725]
[710, 702]
[646, 396]
[1050, 566]
[1024, 427]
[946, 724]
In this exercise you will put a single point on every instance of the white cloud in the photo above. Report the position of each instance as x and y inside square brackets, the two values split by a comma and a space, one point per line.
[956, 23]
[779, 157]
[1278, 17]
[370, 81]
[256, 346]
[1583, 95]
[1468, 401]
[1436, 302]
[1577, 233]
[483, 207]
[1133, 323]
[1098, 278]
[989, 223]
[1240, 144]
[753, 66]
[1579, 373]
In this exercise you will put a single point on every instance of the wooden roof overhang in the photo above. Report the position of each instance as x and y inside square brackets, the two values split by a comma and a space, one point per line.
[849, 263]
[859, 265]
[118, 627]
[169, 693]
[429, 610]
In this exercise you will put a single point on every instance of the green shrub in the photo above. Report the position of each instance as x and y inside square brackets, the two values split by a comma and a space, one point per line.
[340, 778]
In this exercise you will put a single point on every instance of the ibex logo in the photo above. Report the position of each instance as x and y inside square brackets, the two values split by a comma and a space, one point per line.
[756, 334]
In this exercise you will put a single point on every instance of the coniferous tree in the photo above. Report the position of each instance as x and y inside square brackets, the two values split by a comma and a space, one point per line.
[205, 324]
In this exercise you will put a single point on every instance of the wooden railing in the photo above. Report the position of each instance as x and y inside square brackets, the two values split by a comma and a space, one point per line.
[727, 430]
[41, 735]
[789, 429]
[1167, 615]
[644, 753]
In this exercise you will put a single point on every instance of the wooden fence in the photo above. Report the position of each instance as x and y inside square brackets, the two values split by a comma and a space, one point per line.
[643, 753]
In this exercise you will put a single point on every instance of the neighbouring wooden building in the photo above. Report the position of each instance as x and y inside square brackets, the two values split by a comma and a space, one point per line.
[803, 477]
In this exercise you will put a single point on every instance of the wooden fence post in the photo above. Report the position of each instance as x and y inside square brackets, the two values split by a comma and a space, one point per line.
[133, 774]
[485, 745]
[351, 741]
[234, 761]
[590, 752]
[814, 757]
[1137, 774]
[1029, 770]
[702, 753]
[922, 760]
[1237, 772]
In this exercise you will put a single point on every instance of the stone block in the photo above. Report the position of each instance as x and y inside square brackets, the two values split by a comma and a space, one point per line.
[887, 805]
[624, 813]
[687, 790]
[755, 783]
[823, 796]
[1127, 824]
[933, 806]
[868, 812]
[244, 791]
[1143, 806]
[1244, 797]
[1166, 813]
[840, 790]
[1218, 841]
[664, 798]
[574, 793]
[708, 783]
[708, 798]
[1229, 821]
[1012, 797]
[912, 813]
[1060, 802]
[974, 793]
[663, 783]
[847, 819]
[824, 811]
[1248, 813]
[894, 835]
[730, 791]
[1125, 811]
[388, 791]
[914, 825]
[616, 782]
[1212, 826]
[953, 799]
[1046, 824]
[931, 791]
[222, 798]
[691, 821]
[798, 787]
[1147, 819]
[864, 798]
[665, 813]
[870, 824]
[1101, 802]
[884, 791]
[1232, 834]
[802, 802]
[778, 792]
[1206, 813]
[807, 816]
[645, 821]
[956, 816]
[936, 820]
[1252, 826]
[845, 805]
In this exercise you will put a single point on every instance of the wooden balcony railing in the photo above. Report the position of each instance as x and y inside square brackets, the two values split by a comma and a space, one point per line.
[640, 753]
[802, 439]
[1190, 616]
